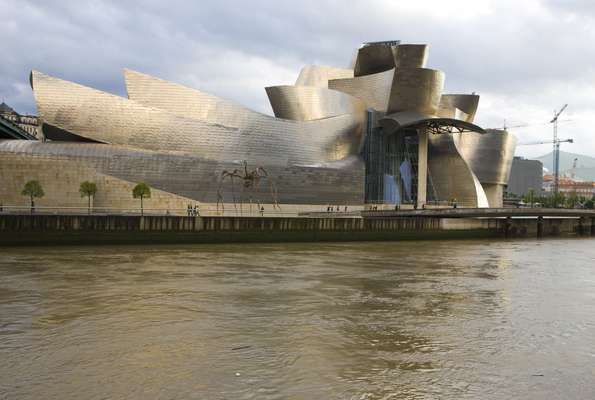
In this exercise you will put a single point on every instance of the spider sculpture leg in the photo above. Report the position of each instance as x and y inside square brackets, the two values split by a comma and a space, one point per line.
[220, 200]
[219, 193]
[242, 199]
[274, 197]
[233, 193]
[256, 191]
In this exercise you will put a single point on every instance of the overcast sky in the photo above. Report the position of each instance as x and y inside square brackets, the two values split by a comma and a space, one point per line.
[525, 58]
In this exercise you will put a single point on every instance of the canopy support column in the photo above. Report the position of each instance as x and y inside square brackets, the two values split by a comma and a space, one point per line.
[422, 166]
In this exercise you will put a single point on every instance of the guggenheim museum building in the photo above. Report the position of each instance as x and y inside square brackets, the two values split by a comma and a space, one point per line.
[382, 131]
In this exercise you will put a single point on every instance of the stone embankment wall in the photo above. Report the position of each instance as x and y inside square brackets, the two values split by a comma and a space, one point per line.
[61, 181]
[89, 229]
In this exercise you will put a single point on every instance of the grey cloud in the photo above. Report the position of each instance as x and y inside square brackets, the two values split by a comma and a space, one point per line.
[534, 54]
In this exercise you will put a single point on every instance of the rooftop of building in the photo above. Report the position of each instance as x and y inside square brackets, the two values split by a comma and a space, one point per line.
[5, 108]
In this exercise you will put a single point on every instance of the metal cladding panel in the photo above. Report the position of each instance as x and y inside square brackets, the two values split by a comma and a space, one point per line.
[411, 55]
[453, 113]
[325, 139]
[467, 103]
[450, 175]
[374, 90]
[111, 119]
[319, 75]
[416, 89]
[198, 178]
[494, 194]
[185, 102]
[374, 58]
[489, 155]
[304, 103]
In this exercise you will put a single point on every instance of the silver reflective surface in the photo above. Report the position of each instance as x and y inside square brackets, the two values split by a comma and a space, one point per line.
[416, 89]
[412, 55]
[319, 75]
[450, 174]
[489, 156]
[470, 320]
[305, 103]
[373, 90]
[219, 133]
[375, 58]
[467, 103]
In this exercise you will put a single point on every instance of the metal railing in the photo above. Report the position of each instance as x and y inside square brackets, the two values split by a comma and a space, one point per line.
[208, 210]
[204, 211]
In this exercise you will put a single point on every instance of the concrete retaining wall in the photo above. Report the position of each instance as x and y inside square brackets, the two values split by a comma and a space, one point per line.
[89, 229]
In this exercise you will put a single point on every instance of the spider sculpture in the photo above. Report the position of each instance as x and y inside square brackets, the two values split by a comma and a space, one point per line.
[250, 181]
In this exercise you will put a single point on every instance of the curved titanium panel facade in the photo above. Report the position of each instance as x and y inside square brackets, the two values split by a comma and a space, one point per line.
[111, 119]
[375, 58]
[373, 90]
[450, 175]
[465, 102]
[319, 75]
[305, 103]
[416, 89]
[411, 55]
[490, 158]
[489, 155]
[341, 136]
[453, 113]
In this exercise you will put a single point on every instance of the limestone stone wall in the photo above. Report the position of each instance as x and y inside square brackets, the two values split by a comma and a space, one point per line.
[61, 180]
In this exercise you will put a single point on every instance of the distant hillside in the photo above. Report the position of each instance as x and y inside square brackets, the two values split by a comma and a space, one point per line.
[585, 166]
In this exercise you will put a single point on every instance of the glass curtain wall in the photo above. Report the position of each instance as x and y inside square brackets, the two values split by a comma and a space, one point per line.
[391, 167]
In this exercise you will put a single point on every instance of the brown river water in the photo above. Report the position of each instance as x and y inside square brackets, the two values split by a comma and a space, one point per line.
[398, 320]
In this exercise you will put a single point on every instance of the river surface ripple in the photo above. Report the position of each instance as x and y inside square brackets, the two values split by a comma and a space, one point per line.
[403, 320]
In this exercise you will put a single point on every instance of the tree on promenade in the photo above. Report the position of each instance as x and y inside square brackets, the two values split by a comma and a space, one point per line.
[529, 198]
[572, 200]
[88, 189]
[33, 189]
[142, 191]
